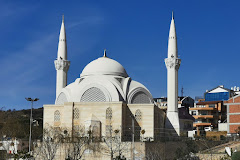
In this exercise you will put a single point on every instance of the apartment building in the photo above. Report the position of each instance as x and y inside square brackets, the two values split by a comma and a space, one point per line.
[233, 115]
[212, 110]
[208, 114]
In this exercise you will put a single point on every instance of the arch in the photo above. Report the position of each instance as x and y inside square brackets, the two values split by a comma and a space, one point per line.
[62, 98]
[57, 116]
[93, 94]
[76, 113]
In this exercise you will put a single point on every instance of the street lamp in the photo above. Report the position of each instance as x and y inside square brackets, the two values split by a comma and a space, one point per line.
[30, 134]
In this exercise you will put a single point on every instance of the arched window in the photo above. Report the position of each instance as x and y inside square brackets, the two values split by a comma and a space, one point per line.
[75, 113]
[62, 98]
[57, 116]
[109, 113]
[93, 94]
[138, 115]
[140, 98]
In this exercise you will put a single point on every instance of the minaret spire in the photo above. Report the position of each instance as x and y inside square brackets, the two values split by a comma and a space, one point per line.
[61, 64]
[172, 64]
[62, 44]
[172, 40]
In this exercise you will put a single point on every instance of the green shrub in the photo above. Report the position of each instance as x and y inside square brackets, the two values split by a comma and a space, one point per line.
[236, 156]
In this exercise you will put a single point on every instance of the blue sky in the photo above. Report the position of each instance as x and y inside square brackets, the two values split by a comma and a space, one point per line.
[134, 32]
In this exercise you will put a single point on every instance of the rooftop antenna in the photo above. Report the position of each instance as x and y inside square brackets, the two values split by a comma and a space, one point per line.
[182, 91]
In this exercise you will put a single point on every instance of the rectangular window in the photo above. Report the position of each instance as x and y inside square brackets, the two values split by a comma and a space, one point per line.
[211, 105]
[203, 113]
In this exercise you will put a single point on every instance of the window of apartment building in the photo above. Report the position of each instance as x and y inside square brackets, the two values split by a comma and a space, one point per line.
[211, 105]
[197, 121]
[217, 96]
[204, 113]
[194, 113]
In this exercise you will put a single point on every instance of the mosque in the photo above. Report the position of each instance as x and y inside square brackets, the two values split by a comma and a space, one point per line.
[105, 97]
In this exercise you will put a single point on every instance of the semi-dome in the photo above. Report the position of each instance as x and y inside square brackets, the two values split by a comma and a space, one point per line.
[104, 66]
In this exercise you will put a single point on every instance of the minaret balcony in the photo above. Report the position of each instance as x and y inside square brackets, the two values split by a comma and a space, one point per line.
[62, 64]
[172, 63]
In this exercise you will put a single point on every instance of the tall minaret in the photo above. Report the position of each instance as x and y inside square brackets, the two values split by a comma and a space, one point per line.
[61, 63]
[172, 64]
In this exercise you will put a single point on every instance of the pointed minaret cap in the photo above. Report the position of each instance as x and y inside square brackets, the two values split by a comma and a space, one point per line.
[63, 18]
[104, 53]
[62, 45]
[172, 15]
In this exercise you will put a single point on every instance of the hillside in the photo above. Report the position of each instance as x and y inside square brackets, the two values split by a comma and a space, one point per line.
[15, 123]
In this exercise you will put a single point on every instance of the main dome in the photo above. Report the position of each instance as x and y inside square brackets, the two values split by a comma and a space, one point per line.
[104, 66]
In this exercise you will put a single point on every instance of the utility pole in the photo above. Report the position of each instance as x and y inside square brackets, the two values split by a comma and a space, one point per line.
[182, 91]
[133, 132]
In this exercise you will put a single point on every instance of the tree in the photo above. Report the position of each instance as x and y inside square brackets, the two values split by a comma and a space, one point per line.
[155, 150]
[79, 143]
[238, 131]
[236, 156]
[114, 144]
[52, 138]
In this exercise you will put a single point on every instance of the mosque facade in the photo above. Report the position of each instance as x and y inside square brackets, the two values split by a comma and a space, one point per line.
[103, 96]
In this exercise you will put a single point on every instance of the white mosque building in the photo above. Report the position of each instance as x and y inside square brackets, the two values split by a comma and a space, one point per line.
[104, 96]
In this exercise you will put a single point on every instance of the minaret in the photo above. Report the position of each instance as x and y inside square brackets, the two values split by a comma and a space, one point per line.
[61, 63]
[172, 64]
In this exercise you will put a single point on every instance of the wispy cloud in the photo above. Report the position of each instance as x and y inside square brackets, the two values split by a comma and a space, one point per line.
[90, 20]
[22, 68]
[8, 9]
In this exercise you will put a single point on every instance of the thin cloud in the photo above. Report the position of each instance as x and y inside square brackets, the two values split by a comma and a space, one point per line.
[92, 20]
[11, 9]
[25, 66]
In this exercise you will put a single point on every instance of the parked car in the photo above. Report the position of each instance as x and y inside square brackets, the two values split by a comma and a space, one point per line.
[208, 128]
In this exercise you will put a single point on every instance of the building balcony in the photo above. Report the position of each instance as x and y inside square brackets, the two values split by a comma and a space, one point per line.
[202, 109]
[201, 124]
[203, 116]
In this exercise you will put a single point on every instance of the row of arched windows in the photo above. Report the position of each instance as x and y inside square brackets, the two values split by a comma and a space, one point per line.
[138, 114]
[57, 115]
